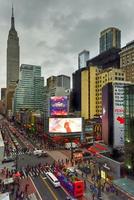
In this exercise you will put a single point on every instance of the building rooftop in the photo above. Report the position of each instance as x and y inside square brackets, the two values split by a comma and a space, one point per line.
[126, 185]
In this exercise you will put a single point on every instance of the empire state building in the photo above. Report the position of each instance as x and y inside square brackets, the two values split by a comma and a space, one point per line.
[13, 53]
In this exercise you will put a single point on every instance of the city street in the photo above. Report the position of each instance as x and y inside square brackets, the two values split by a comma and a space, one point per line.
[27, 164]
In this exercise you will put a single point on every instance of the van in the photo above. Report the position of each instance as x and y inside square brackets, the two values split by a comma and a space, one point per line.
[53, 179]
[69, 145]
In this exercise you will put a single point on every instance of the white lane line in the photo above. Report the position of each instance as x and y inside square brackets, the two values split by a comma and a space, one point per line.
[36, 189]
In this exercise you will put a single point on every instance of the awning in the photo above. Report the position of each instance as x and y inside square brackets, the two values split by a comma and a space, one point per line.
[8, 181]
[4, 196]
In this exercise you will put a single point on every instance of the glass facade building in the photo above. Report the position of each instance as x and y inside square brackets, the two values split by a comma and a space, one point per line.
[29, 91]
[83, 57]
[129, 126]
[109, 38]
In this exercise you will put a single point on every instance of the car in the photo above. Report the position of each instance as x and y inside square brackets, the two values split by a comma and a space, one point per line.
[8, 159]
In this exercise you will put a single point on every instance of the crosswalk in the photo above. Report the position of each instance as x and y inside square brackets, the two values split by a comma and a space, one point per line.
[19, 152]
[33, 173]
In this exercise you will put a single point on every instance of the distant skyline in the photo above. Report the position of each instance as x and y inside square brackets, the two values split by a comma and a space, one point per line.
[53, 32]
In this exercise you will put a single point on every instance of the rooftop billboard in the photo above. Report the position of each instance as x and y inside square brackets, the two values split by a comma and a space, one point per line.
[58, 105]
[65, 125]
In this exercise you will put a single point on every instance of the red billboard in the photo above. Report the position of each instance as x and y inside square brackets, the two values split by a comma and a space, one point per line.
[65, 125]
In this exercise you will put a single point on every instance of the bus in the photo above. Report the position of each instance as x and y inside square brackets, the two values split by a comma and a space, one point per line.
[53, 179]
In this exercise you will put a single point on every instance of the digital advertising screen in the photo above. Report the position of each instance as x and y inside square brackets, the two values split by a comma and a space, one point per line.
[65, 125]
[58, 105]
[119, 119]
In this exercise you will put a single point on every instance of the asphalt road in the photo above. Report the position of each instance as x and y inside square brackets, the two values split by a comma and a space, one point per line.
[47, 190]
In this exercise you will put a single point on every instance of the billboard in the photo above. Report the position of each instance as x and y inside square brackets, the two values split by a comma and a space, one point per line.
[118, 109]
[65, 125]
[58, 105]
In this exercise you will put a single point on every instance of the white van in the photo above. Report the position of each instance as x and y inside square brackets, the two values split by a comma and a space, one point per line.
[68, 145]
[53, 179]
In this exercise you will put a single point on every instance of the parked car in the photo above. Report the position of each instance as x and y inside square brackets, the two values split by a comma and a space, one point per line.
[8, 159]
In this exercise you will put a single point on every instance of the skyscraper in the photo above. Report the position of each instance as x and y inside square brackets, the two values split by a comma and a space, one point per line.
[13, 55]
[30, 88]
[83, 57]
[109, 38]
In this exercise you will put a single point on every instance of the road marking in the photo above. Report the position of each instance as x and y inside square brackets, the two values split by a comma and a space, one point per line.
[44, 177]
[36, 189]
[53, 194]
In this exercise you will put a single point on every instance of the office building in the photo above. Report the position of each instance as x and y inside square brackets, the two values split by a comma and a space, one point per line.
[59, 81]
[110, 38]
[109, 58]
[83, 57]
[76, 77]
[88, 92]
[113, 119]
[13, 53]
[3, 93]
[63, 81]
[30, 89]
[127, 60]
[92, 81]
[106, 76]
[129, 126]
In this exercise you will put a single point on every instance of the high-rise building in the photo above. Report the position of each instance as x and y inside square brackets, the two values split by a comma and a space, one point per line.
[129, 126]
[88, 92]
[109, 38]
[3, 93]
[113, 119]
[30, 89]
[58, 81]
[83, 57]
[92, 81]
[63, 81]
[13, 53]
[127, 60]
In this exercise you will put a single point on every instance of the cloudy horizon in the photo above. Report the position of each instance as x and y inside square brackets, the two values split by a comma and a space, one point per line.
[53, 32]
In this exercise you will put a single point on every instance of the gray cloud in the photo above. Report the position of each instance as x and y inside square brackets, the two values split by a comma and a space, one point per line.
[53, 32]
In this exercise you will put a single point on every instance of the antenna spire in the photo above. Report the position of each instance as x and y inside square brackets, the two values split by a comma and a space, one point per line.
[12, 18]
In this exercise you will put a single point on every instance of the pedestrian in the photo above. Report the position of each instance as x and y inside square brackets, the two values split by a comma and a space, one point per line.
[26, 188]
[93, 196]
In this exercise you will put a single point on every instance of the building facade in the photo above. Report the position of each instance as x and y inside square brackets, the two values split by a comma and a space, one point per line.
[92, 81]
[83, 57]
[127, 61]
[129, 126]
[3, 93]
[88, 92]
[113, 119]
[13, 53]
[58, 81]
[109, 38]
[30, 88]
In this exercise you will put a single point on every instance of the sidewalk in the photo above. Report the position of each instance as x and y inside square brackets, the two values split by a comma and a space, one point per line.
[57, 155]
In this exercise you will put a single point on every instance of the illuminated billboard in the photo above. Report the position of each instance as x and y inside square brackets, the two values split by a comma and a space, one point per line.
[118, 109]
[65, 125]
[58, 105]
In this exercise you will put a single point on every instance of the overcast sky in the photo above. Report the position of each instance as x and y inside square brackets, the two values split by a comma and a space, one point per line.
[53, 32]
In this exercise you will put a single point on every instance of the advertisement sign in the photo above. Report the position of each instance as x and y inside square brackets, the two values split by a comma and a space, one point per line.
[118, 113]
[58, 105]
[65, 125]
